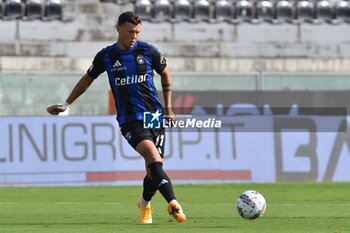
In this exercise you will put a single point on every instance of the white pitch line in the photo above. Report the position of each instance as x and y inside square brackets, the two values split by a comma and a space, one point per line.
[119, 203]
[309, 204]
[61, 203]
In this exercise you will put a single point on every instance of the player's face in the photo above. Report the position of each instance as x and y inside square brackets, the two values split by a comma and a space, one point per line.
[128, 34]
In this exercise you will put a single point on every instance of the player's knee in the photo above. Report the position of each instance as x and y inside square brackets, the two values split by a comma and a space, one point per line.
[149, 152]
[151, 158]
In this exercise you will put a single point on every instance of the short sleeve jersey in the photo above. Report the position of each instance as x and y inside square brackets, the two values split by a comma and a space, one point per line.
[130, 74]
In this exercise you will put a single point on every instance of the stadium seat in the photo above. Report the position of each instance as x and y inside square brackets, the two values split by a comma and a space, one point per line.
[163, 11]
[342, 11]
[201, 9]
[223, 11]
[182, 10]
[33, 9]
[2, 9]
[53, 10]
[144, 9]
[243, 11]
[13, 9]
[264, 11]
[324, 11]
[304, 11]
[283, 11]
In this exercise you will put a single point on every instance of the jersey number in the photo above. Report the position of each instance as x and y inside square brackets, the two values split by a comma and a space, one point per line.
[159, 143]
[160, 140]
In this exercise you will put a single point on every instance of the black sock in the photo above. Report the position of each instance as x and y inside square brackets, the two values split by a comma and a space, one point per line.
[162, 181]
[149, 188]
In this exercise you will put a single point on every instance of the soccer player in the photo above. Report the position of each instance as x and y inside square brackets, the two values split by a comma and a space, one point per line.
[129, 64]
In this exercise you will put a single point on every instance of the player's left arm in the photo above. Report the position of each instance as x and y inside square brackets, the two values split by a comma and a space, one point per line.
[167, 93]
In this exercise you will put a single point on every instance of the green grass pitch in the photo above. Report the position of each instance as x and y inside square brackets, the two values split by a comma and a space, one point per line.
[291, 207]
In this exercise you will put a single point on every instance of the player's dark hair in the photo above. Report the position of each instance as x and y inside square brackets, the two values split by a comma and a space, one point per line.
[130, 17]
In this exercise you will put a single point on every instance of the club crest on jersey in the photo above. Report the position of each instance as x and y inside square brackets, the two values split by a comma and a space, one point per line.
[140, 59]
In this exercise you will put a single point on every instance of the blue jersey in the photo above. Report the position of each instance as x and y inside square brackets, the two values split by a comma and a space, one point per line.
[130, 74]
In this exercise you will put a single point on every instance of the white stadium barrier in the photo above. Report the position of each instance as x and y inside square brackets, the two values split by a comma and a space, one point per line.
[55, 151]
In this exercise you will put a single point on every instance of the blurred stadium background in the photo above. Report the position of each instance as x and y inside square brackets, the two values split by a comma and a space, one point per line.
[258, 54]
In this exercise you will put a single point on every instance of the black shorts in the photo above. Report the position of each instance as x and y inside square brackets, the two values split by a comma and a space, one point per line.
[134, 133]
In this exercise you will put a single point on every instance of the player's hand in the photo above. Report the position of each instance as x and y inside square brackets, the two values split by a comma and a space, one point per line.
[56, 109]
[170, 116]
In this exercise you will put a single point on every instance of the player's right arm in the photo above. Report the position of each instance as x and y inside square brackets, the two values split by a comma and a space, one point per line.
[83, 84]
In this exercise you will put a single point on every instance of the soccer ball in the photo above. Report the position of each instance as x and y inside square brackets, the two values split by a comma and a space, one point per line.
[251, 204]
